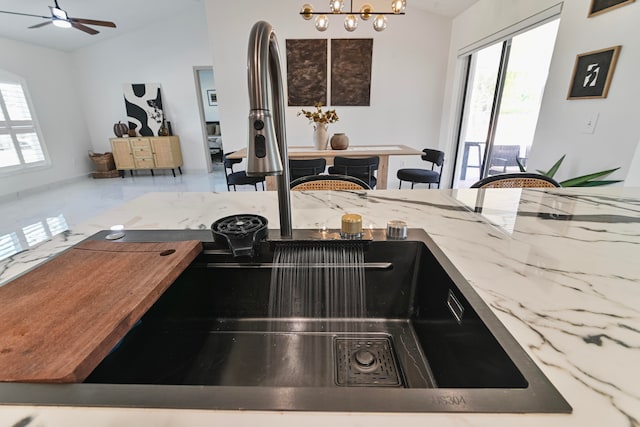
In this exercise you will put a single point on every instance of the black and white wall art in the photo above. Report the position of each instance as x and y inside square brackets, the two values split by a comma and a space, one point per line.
[592, 73]
[602, 6]
[144, 107]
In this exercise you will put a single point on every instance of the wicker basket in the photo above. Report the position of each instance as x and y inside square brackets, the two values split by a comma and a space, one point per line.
[103, 162]
[108, 174]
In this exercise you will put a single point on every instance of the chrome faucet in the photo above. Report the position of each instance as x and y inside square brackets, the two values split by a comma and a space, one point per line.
[267, 145]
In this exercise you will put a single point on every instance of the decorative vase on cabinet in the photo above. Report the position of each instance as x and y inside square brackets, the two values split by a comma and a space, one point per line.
[339, 141]
[320, 136]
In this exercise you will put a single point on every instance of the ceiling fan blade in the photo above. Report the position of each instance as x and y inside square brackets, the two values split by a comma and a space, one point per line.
[93, 22]
[84, 28]
[42, 24]
[25, 14]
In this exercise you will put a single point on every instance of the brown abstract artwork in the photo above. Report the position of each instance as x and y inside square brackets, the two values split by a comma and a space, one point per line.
[306, 72]
[351, 71]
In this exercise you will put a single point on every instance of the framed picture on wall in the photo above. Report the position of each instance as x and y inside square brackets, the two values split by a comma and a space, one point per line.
[601, 6]
[592, 73]
[212, 97]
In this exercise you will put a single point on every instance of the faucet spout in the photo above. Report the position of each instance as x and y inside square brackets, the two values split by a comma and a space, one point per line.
[267, 145]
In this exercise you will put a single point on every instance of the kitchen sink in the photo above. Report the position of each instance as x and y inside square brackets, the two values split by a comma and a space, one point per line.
[425, 341]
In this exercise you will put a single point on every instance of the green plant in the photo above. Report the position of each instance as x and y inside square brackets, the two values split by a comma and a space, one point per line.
[319, 116]
[589, 180]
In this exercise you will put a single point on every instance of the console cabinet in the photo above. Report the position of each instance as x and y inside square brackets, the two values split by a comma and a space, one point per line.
[147, 152]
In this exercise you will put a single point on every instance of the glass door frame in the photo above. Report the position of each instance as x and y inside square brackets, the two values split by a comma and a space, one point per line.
[495, 107]
[466, 57]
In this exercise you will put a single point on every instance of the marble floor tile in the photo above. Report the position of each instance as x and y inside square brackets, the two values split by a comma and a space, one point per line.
[34, 218]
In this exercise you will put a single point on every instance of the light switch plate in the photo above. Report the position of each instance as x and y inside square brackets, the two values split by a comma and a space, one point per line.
[590, 123]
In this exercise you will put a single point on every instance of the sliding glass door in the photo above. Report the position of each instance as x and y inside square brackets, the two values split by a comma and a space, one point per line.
[505, 84]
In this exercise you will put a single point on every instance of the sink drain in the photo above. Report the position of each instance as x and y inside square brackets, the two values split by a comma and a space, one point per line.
[366, 362]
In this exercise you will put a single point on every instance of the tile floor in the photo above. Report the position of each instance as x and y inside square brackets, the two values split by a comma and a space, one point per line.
[34, 218]
[30, 219]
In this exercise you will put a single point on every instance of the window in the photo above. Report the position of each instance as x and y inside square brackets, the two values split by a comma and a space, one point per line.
[21, 144]
[505, 84]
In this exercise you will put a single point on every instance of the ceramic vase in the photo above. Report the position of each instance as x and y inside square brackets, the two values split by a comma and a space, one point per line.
[339, 141]
[163, 131]
[320, 136]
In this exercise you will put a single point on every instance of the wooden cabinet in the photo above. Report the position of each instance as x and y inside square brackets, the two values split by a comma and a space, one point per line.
[166, 152]
[147, 152]
[122, 153]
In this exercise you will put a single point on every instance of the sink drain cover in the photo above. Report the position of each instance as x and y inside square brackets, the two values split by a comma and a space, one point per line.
[363, 362]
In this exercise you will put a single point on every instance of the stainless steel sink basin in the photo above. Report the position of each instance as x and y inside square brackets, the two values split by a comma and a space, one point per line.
[427, 343]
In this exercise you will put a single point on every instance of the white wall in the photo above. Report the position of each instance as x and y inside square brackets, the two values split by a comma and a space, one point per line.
[164, 53]
[633, 178]
[409, 67]
[560, 122]
[50, 78]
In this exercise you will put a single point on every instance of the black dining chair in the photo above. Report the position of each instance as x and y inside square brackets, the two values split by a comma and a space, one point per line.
[239, 177]
[305, 167]
[424, 176]
[503, 157]
[363, 168]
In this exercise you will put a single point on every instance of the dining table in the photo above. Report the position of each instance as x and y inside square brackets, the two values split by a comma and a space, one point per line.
[355, 151]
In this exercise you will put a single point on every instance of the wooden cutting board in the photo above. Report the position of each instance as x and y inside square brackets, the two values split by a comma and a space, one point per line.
[58, 321]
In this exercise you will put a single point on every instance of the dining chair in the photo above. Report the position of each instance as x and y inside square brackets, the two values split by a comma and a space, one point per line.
[239, 177]
[503, 157]
[424, 176]
[328, 182]
[517, 180]
[305, 167]
[363, 168]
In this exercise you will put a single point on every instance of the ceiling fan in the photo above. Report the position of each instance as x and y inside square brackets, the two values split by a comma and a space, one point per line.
[60, 18]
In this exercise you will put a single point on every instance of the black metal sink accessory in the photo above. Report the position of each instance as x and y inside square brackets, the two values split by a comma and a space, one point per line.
[425, 341]
[240, 233]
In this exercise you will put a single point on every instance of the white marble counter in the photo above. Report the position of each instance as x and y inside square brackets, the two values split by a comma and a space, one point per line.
[568, 290]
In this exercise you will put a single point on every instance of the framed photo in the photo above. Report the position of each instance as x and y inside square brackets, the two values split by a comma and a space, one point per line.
[601, 6]
[592, 73]
[212, 97]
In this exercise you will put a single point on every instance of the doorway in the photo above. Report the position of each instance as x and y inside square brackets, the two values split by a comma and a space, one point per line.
[504, 87]
[209, 114]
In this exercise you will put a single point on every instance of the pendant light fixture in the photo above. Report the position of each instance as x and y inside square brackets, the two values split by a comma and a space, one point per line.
[336, 7]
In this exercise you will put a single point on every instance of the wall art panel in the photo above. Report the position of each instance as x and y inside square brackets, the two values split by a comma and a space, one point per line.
[306, 72]
[351, 71]
[143, 102]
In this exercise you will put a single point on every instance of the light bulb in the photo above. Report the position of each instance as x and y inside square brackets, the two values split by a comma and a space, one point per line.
[380, 23]
[350, 23]
[336, 6]
[322, 23]
[307, 11]
[365, 12]
[398, 6]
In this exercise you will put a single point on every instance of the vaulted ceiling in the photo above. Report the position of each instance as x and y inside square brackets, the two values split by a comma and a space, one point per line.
[129, 15]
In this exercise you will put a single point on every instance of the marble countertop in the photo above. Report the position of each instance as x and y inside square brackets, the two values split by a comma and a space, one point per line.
[558, 267]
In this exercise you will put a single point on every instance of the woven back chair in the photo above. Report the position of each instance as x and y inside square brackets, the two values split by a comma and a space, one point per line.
[517, 180]
[329, 182]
